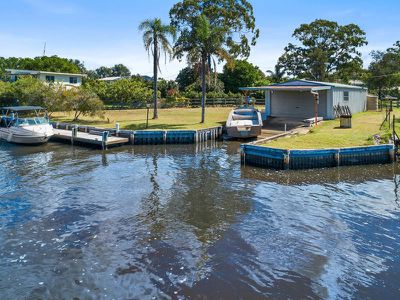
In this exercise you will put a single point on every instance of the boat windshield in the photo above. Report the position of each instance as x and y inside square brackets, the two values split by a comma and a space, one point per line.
[30, 121]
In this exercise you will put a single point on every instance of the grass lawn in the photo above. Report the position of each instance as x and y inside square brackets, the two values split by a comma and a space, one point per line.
[329, 135]
[171, 118]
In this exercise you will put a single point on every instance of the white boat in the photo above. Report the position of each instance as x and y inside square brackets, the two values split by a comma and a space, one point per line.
[244, 122]
[25, 125]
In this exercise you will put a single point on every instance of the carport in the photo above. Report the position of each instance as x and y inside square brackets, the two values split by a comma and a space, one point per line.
[295, 99]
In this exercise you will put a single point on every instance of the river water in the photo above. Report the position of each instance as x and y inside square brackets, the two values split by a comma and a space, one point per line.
[188, 222]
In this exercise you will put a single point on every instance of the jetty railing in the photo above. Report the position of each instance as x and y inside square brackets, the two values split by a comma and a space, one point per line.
[282, 159]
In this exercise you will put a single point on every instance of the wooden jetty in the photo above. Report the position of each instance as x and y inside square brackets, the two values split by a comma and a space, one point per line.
[101, 140]
[105, 137]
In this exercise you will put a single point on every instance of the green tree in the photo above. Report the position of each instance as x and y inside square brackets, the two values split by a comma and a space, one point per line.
[6, 95]
[166, 85]
[82, 102]
[213, 28]
[30, 91]
[156, 37]
[103, 72]
[186, 77]
[121, 70]
[128, 92]
[324, 48]
[384, 70]
[42, 63]
[242, 74]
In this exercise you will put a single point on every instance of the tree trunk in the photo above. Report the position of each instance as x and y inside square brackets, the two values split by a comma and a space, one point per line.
[155, 75]
[203, 87]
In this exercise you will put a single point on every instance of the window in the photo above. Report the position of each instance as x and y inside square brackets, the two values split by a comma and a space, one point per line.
[73, 80]
[346, 96]
[50, 78]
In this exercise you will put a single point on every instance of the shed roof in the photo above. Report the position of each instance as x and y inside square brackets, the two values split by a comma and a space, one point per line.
[302, 85]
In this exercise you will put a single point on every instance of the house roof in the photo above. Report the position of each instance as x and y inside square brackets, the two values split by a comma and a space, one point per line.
[113, 78]
[35, 72]
[302, 85]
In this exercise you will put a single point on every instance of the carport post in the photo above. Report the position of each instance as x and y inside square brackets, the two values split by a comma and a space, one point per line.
[316, 102]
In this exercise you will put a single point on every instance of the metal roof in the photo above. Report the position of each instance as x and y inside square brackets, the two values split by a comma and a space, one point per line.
[301, 88]
[34, 72]
[335, 84]
[301, 85]
[21, 108]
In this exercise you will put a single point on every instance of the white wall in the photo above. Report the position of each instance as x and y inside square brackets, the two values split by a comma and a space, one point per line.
[357, 99]
[62, 79]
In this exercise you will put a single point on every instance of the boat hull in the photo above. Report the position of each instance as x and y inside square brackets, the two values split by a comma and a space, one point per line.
[243, 133]
[29, 135]
[244, 123]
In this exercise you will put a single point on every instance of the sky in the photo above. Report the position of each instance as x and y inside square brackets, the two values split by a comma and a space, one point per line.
[104, 32]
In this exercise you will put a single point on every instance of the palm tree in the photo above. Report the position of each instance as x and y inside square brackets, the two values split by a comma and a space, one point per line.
[201, 45]
[277, 75]
[156, 40]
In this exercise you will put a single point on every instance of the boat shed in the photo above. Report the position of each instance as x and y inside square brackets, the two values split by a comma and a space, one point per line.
[307, 99]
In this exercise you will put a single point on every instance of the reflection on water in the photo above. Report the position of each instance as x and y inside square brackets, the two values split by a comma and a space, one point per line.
[187, 221]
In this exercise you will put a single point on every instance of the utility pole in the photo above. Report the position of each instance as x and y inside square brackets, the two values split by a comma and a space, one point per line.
[44, 49]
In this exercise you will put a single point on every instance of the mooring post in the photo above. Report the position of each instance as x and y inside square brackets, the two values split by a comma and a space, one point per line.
[132, 138]
[165, 136]
[104, 138]
[74, 133]
[337, 157]
[393, 129]
[392, 156]
[286, 160]
[116, 129]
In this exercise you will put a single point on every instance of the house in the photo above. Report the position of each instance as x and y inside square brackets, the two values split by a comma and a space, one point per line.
[306, 99]
[67, 79]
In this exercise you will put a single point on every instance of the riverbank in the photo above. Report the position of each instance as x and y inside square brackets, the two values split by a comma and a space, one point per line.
[329, 134]
[135, 119]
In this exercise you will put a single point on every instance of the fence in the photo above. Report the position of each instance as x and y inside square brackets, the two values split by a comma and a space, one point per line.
[316, 158]
[188, 103]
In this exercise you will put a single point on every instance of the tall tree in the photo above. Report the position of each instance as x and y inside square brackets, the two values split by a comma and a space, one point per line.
[42, 63]
[103, 72]
[156, 39]
[121, 70]
[224, 29]
[324, 48]
[384, 70]
[242, 74]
